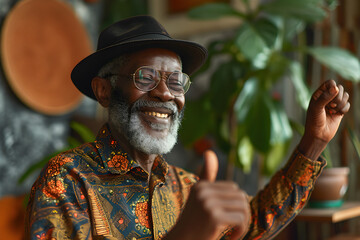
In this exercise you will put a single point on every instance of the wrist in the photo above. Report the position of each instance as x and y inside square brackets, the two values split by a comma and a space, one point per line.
[311, 147]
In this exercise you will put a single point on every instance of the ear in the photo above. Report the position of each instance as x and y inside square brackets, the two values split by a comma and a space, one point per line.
[102, 90]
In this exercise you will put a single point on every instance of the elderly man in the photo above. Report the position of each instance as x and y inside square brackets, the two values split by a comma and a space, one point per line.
[120, 187]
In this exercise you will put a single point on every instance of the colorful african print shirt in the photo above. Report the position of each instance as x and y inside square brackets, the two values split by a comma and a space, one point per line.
[97, 191]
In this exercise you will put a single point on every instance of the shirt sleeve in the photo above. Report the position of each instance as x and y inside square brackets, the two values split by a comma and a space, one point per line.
[57, 207]
[288, 191]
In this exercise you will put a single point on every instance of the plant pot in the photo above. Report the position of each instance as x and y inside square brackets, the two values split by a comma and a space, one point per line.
[330, 188]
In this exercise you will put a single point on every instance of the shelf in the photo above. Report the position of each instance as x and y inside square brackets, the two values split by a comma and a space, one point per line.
[347, 211]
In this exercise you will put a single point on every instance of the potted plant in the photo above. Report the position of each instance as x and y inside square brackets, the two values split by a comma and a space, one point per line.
[243, 111]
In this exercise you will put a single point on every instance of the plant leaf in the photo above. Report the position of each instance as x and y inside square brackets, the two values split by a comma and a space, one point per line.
[245, 99]
[73, 142]
[339, 60]
[197, 122]
[223, 85]
[307, 10]
[213, 11]
[250, 42]
[302, 92]
[267, 30]
[215, 47]
[274, 158]
[245, 154]
[280, 126]
[258, 122]
[293, 27]
[84, 132]
[355, 141]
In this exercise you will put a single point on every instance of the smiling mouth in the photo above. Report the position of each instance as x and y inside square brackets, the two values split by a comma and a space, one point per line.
[157, 114]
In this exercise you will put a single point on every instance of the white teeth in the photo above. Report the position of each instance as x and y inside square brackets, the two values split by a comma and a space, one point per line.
[156, 114]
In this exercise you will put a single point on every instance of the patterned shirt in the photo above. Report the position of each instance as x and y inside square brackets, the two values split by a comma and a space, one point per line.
[97, 191]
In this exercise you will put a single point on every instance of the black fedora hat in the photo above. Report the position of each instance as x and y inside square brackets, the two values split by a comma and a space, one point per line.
[133, 34]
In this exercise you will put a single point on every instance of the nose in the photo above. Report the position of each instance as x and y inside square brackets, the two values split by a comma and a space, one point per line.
[162, 92]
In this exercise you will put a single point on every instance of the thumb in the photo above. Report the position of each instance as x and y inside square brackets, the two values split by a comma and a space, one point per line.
[211, 166]
[326, 92]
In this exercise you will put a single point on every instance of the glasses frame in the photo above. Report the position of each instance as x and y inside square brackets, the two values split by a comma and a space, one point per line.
[161, 78]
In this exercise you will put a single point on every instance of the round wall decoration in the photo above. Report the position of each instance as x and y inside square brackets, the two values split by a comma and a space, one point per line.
[41, 41]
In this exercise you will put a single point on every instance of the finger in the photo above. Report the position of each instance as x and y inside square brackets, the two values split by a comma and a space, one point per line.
[227, 202]
[326, 93]
[238, 233]
[211, 166]
[341, 103]
[345, 109]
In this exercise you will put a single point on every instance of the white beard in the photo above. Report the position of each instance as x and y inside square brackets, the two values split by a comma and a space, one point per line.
[129, 124]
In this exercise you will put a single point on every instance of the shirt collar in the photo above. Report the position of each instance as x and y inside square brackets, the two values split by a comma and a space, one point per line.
[117, 161]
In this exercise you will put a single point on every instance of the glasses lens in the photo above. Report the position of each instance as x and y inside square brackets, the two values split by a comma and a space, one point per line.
[178, 83]
[146, 78]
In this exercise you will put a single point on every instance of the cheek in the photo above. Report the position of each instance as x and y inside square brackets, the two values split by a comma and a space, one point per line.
[133, 94]
[180, 102]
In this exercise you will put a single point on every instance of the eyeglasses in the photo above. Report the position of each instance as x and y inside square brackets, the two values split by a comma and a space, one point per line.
[147, 78]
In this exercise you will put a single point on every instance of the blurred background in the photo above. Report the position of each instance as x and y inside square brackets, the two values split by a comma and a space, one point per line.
[247, 103]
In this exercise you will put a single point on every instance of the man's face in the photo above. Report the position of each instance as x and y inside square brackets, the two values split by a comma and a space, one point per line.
[148, 120]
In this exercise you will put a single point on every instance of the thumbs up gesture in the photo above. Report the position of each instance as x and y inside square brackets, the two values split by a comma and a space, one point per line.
[212, 207]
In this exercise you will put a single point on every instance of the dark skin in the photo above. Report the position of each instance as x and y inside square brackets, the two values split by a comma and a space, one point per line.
[213, 205]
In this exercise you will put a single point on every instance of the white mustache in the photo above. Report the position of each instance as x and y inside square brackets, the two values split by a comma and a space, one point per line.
[168, 105]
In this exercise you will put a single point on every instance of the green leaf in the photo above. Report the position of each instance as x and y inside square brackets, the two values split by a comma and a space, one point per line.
[258, 123]
[250, 42]
[307, 10]
[280, 126]
[213, 11]
[275, 69]
[245, 154]
[274, 158]
[355, 141]
[266, 122]
[197, 122]
[73, 142]
[332, 4]
[224, 84]
[292, 27]
[245, 99]
[221, 133]
[84, 132]
[302, 92]
[339, 60]
[267, 30]
[327, 155]
[214, 48]
[299, 128]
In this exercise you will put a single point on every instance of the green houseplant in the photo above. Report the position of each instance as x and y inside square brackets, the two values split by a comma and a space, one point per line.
[241, 110]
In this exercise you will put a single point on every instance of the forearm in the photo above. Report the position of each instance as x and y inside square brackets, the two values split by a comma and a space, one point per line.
[283, 198]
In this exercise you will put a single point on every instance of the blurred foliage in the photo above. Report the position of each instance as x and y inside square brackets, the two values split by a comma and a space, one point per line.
[115, 10]
[242, 110]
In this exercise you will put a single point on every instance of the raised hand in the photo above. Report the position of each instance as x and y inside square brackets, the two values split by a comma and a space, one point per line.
[212, 207]
[327, 107]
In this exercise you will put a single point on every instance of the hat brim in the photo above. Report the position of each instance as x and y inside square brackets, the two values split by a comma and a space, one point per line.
[192, 56]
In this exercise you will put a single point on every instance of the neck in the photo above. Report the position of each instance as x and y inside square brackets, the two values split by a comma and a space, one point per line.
[145, 161]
